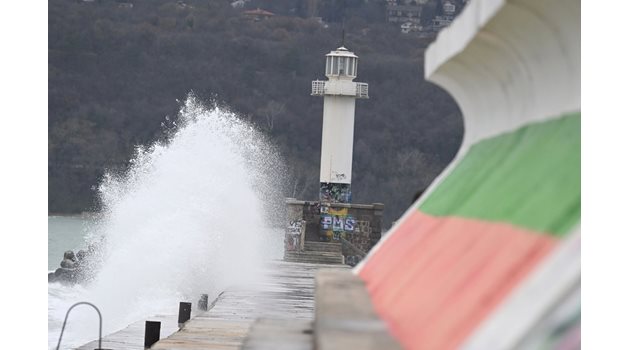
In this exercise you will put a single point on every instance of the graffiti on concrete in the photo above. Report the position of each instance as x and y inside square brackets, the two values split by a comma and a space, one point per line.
[361, 236]
[338, 176]
[364, 226]
[349, 224]
[295, 227]
[331, 192]
[336, 223]
[293, 235]
[332, 221]
[358, 225]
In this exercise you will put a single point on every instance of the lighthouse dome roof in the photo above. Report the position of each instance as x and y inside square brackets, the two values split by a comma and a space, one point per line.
[343, 52]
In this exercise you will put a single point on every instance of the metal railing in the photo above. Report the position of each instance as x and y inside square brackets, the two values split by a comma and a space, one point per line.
[317, 88]
[351, 247]
[362, 90]
[100, 322]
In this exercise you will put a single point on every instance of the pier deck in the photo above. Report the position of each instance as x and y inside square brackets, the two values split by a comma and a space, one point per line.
[255, 317]
[132, 337]
[251, 317]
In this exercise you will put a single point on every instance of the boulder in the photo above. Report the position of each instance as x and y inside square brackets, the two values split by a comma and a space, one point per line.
[68, 264]
[65, 275]
[69, 255]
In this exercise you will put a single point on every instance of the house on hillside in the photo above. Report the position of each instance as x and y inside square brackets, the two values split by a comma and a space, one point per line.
[409, 27]
[257, 14]
[238, 4]
[440, 22]
[449, 10]
[404, 11]
[423, 17]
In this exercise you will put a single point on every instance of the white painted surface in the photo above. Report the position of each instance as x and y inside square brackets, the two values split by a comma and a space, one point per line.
[507, 63]
[339, 93]
[519, 322]
[337, 140]
[340, 87]
[521, 64]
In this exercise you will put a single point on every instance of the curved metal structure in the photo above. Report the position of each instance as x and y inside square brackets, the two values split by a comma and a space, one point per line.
[100, 322]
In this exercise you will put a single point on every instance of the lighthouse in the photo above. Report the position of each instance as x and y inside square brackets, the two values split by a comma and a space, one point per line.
[339, 92]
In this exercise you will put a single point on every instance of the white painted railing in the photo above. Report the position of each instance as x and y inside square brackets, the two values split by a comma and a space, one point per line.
[317, 88]
[362, 90]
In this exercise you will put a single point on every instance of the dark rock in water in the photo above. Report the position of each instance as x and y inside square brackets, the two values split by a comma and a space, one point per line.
[68, 264]
[65, 275]
[69, 255]
[58, 272]
[76, 268]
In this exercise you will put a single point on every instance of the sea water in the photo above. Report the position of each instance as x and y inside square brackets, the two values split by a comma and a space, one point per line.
[193, 214]
[66, 232]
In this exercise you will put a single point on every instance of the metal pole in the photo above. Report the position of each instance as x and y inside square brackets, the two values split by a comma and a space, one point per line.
[151, 333]
[184, 313]
[100, 322]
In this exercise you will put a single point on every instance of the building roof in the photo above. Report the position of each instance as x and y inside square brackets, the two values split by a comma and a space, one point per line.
[342, 51]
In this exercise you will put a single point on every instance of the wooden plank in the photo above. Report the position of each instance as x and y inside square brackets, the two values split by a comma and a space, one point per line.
[274, 314]
[132, 337]
[280, 334]
[279, 310]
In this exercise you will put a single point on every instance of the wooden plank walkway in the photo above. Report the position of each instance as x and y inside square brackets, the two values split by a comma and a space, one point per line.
[255, 317]
[249, 317]
[280, 334]
[132, 337]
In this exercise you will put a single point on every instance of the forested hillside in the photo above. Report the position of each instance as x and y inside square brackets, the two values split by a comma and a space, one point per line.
[115, 72]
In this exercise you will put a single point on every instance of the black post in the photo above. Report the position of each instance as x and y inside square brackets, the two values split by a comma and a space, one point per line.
[184, 312]
[151, 333]
[203, 303]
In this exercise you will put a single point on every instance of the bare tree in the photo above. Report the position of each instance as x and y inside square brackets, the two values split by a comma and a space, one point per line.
[271, 110]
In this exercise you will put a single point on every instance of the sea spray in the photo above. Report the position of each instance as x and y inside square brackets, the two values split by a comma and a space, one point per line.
[193, 214]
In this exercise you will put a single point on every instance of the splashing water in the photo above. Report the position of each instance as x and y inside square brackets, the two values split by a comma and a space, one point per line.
[192, 215]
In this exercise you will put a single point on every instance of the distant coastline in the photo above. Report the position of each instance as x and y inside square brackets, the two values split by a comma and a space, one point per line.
[68, 215]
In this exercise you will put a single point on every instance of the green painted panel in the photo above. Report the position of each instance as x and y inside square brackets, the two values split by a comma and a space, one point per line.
[529, 177]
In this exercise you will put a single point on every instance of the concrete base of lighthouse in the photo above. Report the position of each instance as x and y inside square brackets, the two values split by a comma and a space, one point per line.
[357, 227]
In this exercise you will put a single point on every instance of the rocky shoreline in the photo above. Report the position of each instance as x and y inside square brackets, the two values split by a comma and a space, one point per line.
[73, 268]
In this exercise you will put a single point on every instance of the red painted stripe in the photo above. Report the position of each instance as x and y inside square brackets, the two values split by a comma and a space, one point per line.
[435, 279]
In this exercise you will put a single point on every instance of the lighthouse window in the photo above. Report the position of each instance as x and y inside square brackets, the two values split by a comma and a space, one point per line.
[335, 66]
[328, 65]
[342, 65]
[351, 69]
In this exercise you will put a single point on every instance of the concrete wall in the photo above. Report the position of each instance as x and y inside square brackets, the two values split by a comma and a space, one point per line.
[510, 64]
[513, 66]
[359, 224]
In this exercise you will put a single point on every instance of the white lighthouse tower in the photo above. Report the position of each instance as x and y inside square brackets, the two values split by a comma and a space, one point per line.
[339, 93]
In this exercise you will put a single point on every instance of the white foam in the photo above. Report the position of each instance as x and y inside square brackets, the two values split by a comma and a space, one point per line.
[192, 215]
